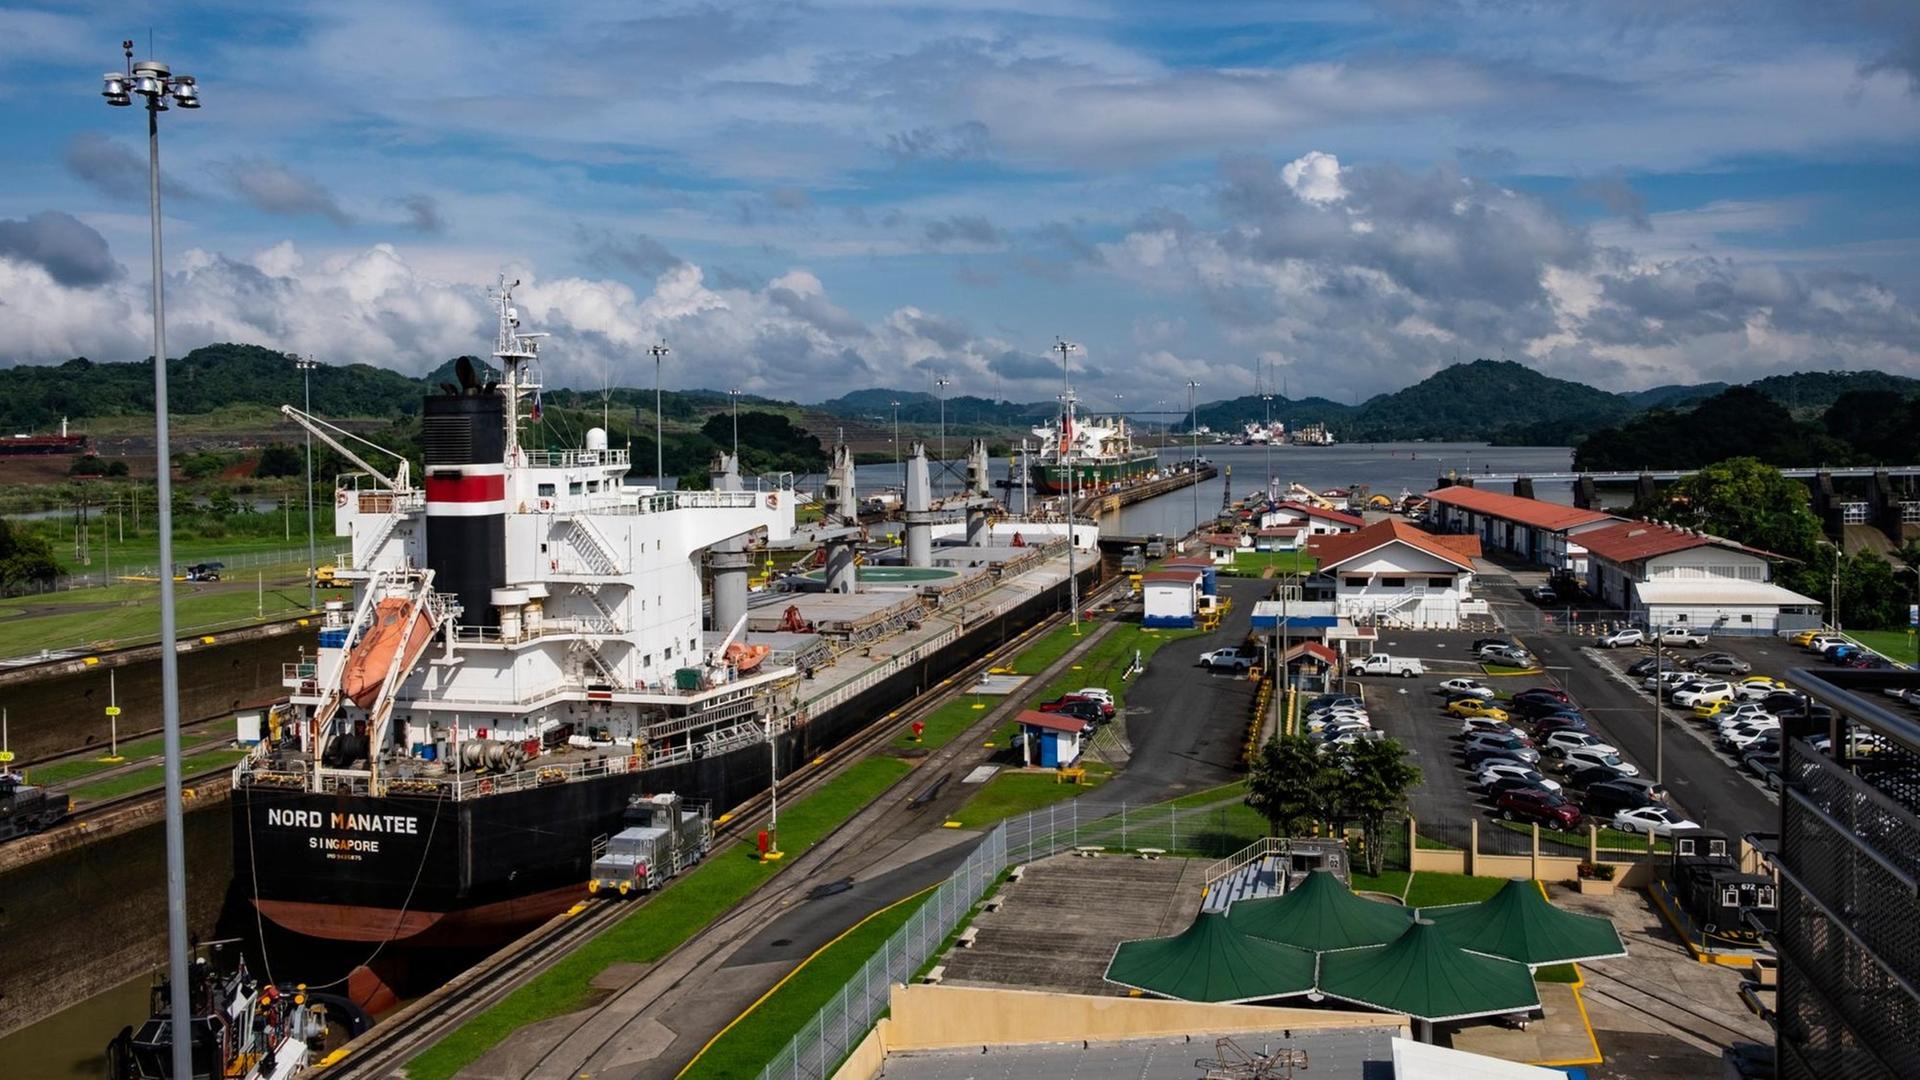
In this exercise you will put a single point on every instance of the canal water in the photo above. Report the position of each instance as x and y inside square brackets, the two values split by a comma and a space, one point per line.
[71, 1044]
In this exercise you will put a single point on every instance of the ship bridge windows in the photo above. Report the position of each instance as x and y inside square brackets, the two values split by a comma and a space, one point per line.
[546, 491]
[574, 488]
[593, 486]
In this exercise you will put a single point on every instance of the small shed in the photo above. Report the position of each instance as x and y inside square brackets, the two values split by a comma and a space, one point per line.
[1171, 597]
[1223, 548]
[1279, 538]
[1052, 740]
[1209, 581]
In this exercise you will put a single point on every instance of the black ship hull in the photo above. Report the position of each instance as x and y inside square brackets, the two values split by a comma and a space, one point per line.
[415, 873]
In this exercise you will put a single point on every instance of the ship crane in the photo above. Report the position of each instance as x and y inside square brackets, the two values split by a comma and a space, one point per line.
[324, 432]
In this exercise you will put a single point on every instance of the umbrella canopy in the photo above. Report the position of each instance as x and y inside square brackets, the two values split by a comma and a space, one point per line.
[1320, 914]
[1211, 961]
[1425, 976]
[1518, 923]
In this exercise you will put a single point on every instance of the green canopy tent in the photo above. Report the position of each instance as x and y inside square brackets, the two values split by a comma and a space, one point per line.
[1424, 975]
[1519, 924]
[1320, 914]
[1210, 961]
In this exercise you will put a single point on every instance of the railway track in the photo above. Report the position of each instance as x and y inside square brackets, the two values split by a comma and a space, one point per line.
[384, 1050]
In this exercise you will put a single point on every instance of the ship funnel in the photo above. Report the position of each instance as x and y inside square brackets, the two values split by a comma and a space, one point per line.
[464, 440]
[918, 514]
[728, 559]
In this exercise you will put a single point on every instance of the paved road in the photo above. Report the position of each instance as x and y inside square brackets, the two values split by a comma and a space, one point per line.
[1186, 726]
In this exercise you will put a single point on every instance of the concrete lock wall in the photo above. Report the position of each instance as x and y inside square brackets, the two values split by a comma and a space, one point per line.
[945, 1017]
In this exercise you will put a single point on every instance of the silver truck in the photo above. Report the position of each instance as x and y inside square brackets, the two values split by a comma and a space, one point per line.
[662, 837]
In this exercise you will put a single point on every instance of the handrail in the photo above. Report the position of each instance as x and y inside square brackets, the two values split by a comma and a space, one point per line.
[1252, 853]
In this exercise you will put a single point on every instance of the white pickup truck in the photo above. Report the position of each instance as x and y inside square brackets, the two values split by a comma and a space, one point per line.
[1681, 637]
[1405, 667]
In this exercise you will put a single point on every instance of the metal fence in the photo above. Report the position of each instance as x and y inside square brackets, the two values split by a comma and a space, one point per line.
[108, 569]
[1592, 622]
[826, 1039]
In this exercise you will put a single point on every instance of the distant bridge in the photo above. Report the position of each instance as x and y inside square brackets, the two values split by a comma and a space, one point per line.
[1893, 508]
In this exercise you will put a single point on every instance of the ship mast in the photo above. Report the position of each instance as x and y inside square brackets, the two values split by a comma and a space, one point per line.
[514, 350]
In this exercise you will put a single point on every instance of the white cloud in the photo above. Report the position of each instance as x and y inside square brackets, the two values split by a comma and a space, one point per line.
[1315, 177]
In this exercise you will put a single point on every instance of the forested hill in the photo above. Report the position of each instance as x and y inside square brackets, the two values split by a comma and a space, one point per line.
[1497, 400]
[1859, 427]
[1231, 416]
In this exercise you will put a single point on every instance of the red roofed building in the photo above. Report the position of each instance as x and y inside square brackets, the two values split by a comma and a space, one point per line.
[1052, 740]
[1170, 596]
[1394, 573]
[1316, 521]
[1541, 532]
[1670, 576]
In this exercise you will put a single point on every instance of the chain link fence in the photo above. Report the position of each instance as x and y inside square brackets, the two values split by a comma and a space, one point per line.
[826, 1039]
[107, 569]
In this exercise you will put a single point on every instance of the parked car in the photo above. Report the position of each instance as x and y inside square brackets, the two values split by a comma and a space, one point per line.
[1538, 703]
[1647, 665]
[1646, 787]
[1757, 687]
[1545, 594]
[1763, 762]
[1517, 658]
[1558, 743]
[1059, 704]
[1821, 642]
[1802, 637]
[1837, 653]
[1464, 687]
[1328, 701]
[1405, 667]
[1661, 681]
[1087, 711]
[1503, 769]
[1721, 711]
[1712, 691]
[1238, 659]
[1605, 800]
[1740, 740]
[1566, 721]
[1348, 738]
[1097, 693]
[1493, 789]
[1481, 645]
[1336, 710]
[1632, 635]
[1474, 724]
[1866, 661]
[1339, 720]
[1682, 637]
[1478, 758]
[1464, 707]
[1658, 820]
[1589, 757]
[1722, 664]
[1544, 807]
[1512, 744]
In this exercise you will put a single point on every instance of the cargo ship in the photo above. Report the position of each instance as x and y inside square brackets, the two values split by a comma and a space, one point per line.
[523, 656]
[1096, 453]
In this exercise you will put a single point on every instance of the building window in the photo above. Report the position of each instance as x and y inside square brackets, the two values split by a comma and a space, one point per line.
[1746, 618]
[1354, 582]
[593, 485]
[1393, 582]
[1439, 583]
[574, 488]
[546, 490]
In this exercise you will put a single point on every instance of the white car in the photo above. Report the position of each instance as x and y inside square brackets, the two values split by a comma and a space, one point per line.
[1473, 724]
[1593, 757]
[1630, 636]
[1740, 741]
[1727, 721]
[1339, 723]
[1339, 711]
[1742, 711]
[1519, 658]
[1657, 820]
[1558, 743]
[1094, 693]
[1467, 688]
[1660, 680]
[1822, 642]
[1709, 692]
[1347, 738]
[1502, 769]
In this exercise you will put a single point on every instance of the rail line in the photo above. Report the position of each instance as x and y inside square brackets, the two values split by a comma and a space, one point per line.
[382, 1051]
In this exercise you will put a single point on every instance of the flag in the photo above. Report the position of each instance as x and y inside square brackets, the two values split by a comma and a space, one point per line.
[536, 406]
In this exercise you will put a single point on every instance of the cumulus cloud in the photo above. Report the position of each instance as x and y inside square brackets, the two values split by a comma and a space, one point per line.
[275, 189]
[114, 168]
[67, 249]
[636, 253]
[1314, 177]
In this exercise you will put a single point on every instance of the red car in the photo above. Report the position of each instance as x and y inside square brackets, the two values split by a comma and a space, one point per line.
[1064, 700]
[1533, 805]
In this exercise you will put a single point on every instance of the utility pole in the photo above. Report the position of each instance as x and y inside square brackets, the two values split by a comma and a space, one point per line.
[306, 364]
[735, 395]
[1193, 422]
[941, 383]
[658, 350]
[1066, 349]
[898, 466]
[1659, 714]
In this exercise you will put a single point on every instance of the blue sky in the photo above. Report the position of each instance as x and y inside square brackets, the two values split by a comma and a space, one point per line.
[808, 199]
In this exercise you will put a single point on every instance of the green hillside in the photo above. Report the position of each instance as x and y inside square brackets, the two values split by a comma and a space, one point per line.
[1481, 400]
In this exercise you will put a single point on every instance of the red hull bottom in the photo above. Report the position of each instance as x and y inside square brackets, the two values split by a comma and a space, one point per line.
[482, 926]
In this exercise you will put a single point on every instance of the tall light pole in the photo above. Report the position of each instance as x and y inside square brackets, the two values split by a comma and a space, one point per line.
[1659, 715]
[1066, 349]
[1833, 588]
[306, 364]
[898, 466]
[941, 384]
[735, 395]
[154, 81]
[658, 350]
[1193, 422]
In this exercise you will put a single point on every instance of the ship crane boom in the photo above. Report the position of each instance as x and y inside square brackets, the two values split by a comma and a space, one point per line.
[324, 432]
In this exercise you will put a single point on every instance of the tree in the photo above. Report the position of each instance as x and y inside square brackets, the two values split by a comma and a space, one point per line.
[1375, 779]
[1288, 784]
[25, 559]
[87, 465]
[1746, 501]
[279, 459]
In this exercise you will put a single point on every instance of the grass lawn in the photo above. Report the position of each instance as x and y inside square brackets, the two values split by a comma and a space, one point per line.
[1038, 656]
[1436, 890]
[662, 923]
[153, 775]
[1254, 563]
[133, 614]
[1892, 644]
[1109, 658]
[1391, 882]
[66, 772]
[1011, 793]
[745, 1049]
[948, 721]
[1209, 796]
[1610, 839]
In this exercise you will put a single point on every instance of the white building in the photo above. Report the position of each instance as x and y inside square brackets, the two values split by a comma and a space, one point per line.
[1540, 532]
[1171, 598]
[1668, 576]
[1317, 521]
[1392, 573]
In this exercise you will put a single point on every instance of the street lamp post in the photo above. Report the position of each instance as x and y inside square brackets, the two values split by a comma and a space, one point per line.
[155, 82]
[658, 350]
[1066, 349]
[898, 466]
[735, 395]
[942, 383]
[306, 364]
[1833, 588]
[1193, 422]
[1659, 715]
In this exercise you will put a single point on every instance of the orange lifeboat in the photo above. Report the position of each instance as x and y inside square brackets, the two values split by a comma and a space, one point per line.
[745, 658]
[371, 659]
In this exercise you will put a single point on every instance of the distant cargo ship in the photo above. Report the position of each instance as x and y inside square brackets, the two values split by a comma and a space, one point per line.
[28, 445]
[1099, 453]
